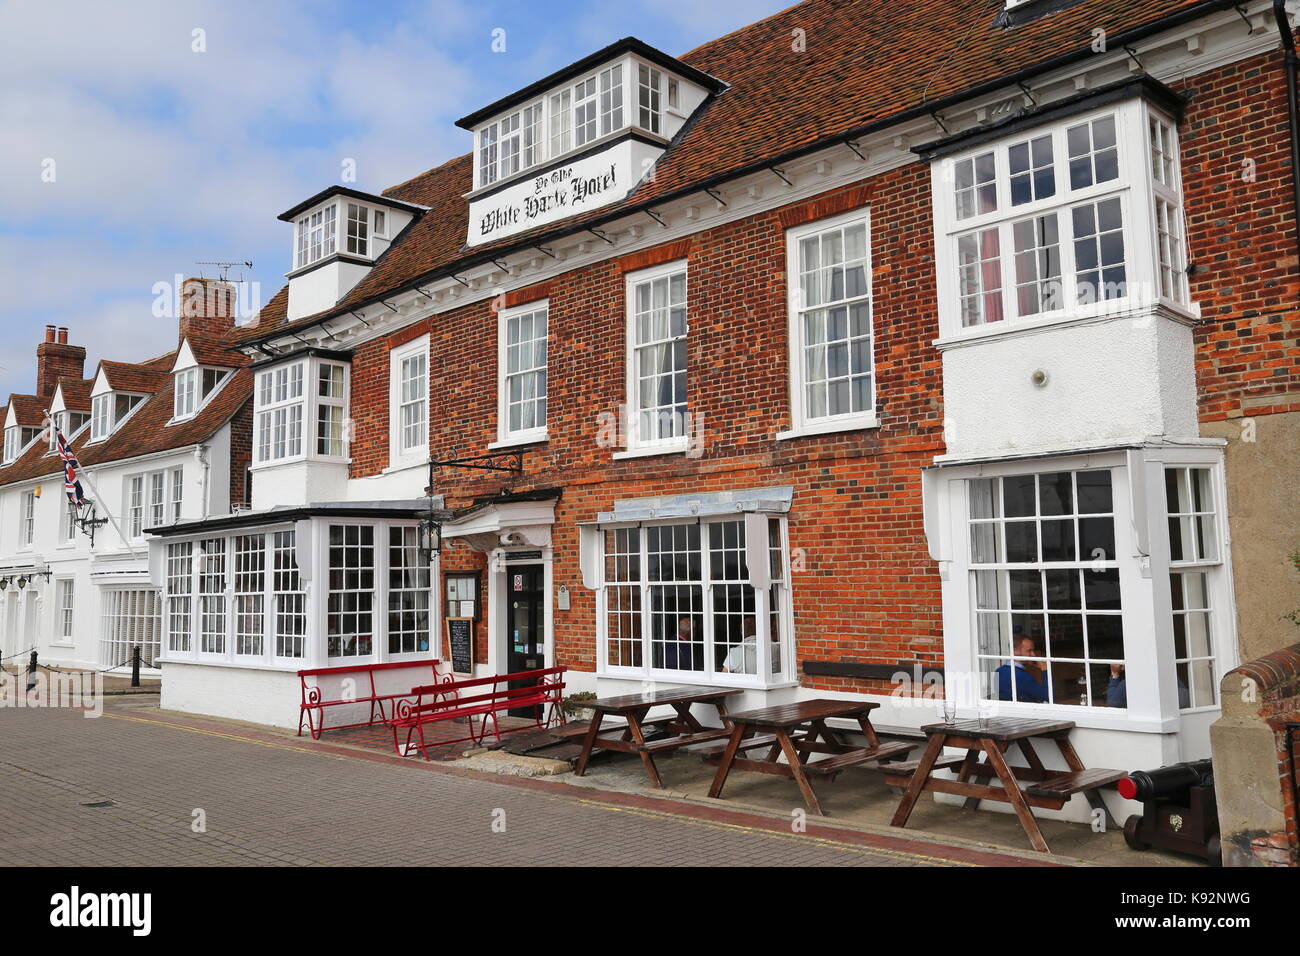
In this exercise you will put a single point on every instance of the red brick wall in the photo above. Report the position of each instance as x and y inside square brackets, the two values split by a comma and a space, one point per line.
[241, 452]
[867, 590]
[1241, 235]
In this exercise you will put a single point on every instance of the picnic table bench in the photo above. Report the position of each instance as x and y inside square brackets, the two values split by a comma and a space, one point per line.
[683, 728]
[1046, 789]
[487, 697]
[311, 711]
[793, 730]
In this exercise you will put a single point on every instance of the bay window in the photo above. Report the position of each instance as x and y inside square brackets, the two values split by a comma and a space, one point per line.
[317, 236]
[212, 596]
[522, 385]
[1045, 584]
[657, 355]
[241, 597]
[1076, 216]
[312, 390]
[1194, 563]
[649, 98]
[832, 367]
[350, 615]
[679, 601]
[358, 240]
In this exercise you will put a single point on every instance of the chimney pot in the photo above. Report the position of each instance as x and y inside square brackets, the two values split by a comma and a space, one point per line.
[63, 335]
[49, 333]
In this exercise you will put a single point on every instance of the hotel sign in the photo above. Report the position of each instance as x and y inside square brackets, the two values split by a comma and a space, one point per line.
[588, 183]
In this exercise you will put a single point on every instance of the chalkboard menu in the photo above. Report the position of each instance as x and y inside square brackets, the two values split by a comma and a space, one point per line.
[460, 639]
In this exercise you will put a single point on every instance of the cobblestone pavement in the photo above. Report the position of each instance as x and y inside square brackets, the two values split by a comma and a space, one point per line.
[126, 789]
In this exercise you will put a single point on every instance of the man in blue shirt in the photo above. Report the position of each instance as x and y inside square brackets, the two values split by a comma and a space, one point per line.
[1030, 676]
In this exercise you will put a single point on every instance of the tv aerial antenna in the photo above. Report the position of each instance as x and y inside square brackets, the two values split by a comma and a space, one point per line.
[225, 267]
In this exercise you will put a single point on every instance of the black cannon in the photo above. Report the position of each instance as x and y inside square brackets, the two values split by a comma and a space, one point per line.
[1179, 810]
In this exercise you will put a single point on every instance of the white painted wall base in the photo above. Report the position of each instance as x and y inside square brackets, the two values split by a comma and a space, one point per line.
[259, 696]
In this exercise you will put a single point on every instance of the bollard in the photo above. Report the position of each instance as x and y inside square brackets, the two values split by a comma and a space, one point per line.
[31, 672]
[135, 666]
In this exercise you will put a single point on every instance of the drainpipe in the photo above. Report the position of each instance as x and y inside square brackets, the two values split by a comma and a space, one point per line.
[205, 466]
[1293, 109]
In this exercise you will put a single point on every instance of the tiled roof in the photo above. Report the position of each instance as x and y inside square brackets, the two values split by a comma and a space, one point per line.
[866, 62]
[76, 393]
[147, 377]
[146, 432]
[208, 351]
[28, 409]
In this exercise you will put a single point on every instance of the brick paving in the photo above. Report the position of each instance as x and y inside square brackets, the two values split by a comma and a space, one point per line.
[275, 800]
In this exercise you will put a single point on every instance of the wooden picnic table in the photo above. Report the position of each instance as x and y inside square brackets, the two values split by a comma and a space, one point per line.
[1047, 789]
[683, 728]
[792, 730]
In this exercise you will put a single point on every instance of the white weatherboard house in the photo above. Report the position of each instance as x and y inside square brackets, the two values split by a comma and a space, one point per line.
[154, 441]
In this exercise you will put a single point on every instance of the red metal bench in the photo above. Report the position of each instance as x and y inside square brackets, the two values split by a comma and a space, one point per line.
[443, 702]
[314, 702]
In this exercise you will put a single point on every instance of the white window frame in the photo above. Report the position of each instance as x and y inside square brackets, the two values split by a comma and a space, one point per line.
[316, 235]
[1134, 188]
[764, 613]
[321, 404]
[800, 422]
[65, 607]
[27, 521]
[400, 453]
[104, 420]
[506, 436]
[272, 412]
[194, 388]
[635, 444]
[159, 502]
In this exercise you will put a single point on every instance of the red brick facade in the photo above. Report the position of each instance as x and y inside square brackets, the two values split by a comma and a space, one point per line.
[862, 571]
[1241, 237]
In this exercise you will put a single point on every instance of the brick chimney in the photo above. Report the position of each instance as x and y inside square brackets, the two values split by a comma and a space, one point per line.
[207, 308]
[56, 359]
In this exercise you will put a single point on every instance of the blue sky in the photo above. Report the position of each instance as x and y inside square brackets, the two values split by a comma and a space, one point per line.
[133, 147]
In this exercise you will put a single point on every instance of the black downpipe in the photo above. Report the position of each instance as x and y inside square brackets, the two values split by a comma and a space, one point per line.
[1293, 111]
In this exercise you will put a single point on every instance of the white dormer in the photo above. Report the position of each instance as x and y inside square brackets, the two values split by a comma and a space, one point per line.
[110, 408]
[195, 384]
[579, 139]
[337, 236]
[64, 420]
[18, 437]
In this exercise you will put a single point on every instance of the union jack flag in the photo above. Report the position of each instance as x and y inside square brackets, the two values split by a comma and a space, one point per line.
[71, 485]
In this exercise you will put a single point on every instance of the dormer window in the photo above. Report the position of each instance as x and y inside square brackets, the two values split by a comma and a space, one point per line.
[358, 229]
[316, 236]
[649, 93]
[109, 410]
[568, 142]
[69, 423]
[194, 386]
[17, 438]
[510, 144]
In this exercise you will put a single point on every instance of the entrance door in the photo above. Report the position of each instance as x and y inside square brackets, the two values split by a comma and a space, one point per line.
[526, 627]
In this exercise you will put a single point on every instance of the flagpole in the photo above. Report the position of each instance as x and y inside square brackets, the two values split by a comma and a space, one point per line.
[85, 477]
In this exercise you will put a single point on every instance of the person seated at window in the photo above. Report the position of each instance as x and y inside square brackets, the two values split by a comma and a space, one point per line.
[678, 651]
[1117, 689]
[1030, 676]
[743, 657]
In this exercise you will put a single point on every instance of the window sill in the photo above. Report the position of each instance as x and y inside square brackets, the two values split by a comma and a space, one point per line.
[401, 466]
[1184, 315]
[829, 427]
[693, 678]
[525, 438]
[649, 451]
